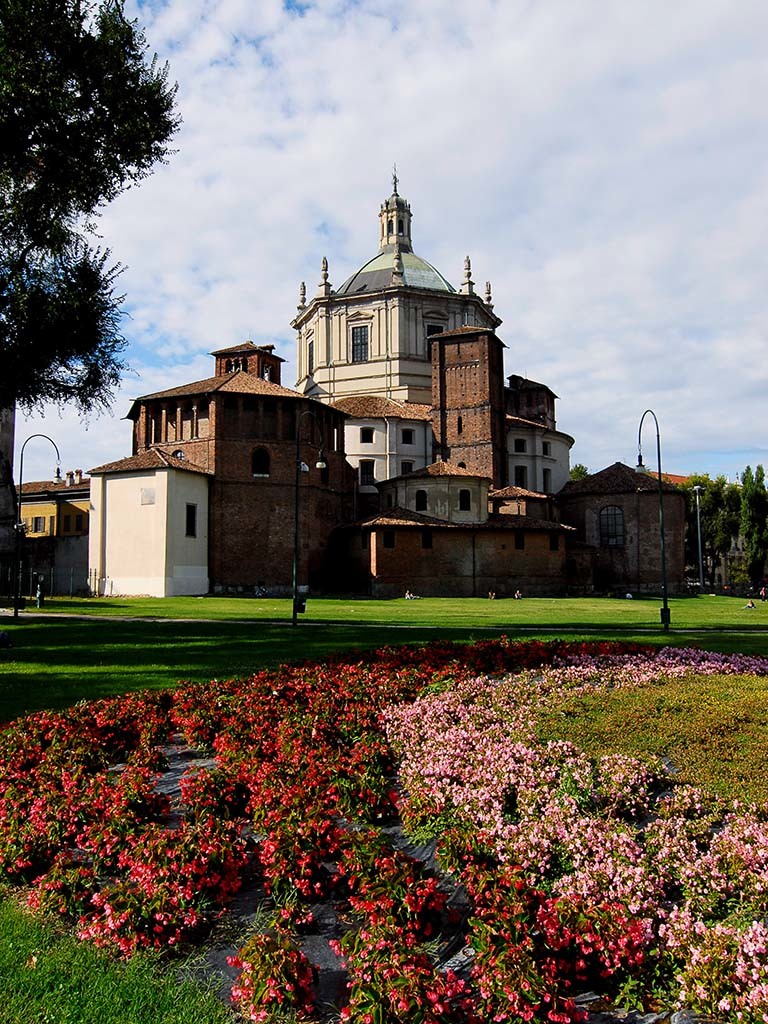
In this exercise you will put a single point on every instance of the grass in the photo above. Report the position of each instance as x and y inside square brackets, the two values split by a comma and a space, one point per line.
[110, 648]
[715, 733]
[48, 978]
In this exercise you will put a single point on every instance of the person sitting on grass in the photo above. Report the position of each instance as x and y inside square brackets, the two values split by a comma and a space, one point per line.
[750, 604]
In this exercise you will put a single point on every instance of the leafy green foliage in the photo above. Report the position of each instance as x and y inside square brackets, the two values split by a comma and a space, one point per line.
[754, 521]
[84, 116]
[720, 514]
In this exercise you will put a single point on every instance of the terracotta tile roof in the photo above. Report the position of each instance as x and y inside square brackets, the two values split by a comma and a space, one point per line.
[47, 486]
[466, 329]
[246, 346]
[516, 492]
[376, 407]
[238, 382]
[675, 478]
[444, 469]
[405, 517]
[152, 458]
[616, 479]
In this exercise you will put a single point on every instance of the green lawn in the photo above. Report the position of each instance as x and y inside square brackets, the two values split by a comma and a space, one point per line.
[118, 645]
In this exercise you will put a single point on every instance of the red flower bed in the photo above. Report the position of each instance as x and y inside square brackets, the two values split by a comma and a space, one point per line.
[303, 781]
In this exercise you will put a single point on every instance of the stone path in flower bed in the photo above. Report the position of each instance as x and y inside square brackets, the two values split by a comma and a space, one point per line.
[242, 915]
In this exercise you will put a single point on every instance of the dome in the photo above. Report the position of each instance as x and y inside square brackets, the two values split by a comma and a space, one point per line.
[376, 275]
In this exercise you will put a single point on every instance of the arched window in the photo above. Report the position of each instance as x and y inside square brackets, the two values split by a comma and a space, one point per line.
[421, 501]
[260, 462]
[611, 526]
[465, 500]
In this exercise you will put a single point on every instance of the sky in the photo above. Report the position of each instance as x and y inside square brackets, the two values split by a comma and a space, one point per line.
[604, 165]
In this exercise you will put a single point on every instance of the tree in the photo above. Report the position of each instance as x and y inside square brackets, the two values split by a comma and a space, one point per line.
[579, 472]
[85, 115]
[754, 521]
[720, 507]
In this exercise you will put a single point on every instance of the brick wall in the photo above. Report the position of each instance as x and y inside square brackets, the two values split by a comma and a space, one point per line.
[460, 563]
[468, 402]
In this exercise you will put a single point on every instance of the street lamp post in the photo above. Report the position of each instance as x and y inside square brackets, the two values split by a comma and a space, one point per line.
[19, 522]
[301, 467]
[697, 489]
[664, 610]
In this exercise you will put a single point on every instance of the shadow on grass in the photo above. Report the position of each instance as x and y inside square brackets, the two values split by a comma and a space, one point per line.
[56, 661]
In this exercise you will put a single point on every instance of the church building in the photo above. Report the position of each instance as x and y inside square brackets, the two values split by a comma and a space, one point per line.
[403, 459]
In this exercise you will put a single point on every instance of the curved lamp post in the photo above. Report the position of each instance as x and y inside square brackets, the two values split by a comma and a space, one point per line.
[665, 615]
[19, 522]
[301, 467]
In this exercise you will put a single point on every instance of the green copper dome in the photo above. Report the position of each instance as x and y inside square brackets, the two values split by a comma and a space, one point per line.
[376, 275]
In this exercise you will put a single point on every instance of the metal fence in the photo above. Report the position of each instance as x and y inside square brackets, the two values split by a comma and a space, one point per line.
[69, 582]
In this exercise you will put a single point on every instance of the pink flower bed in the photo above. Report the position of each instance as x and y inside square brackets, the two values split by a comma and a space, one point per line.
[555, 873]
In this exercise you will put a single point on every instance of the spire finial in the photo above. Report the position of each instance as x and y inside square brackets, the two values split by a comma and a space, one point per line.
[324, 287]
[302, 295]
[488, 296]
[394, 179]
[468, 287]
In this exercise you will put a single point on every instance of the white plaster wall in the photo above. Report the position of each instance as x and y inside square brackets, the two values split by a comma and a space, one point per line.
[139, 547]
[186, 567]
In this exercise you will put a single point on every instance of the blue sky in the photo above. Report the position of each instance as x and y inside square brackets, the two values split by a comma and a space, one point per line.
[605, 166]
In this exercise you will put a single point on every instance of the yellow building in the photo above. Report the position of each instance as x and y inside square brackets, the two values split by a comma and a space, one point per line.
[55, 515]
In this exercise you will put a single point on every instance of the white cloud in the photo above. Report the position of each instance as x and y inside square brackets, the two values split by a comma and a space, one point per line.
[604, 166]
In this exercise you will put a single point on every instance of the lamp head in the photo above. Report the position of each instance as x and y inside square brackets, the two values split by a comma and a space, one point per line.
[57, 476]
[640, 468]
[321, 463]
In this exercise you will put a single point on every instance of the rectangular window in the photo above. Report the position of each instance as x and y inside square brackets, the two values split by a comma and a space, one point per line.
[191, 521]
[519, 541]
[521, 476]
[79, 523]
[546, 447]
[465, 500]
[426, 539]
[546, 476]
[521, 445]
[388, 538]
[364, 541]
[406, 467]
[554, 542]
[408, 435]
[147, 495]
[367, 475]
[366, 435]
[38, 524]
[359, 344]
[310, 357]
